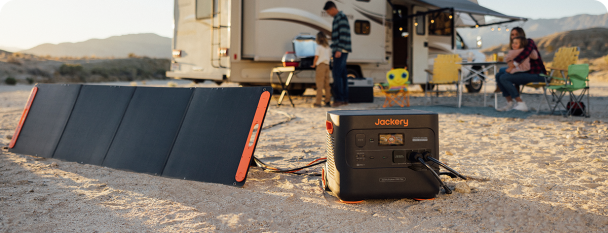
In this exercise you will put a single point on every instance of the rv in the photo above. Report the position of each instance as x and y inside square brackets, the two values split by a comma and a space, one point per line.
[243, 40]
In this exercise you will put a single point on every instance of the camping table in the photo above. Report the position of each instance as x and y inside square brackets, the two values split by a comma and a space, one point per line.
[291, 71]
[485, 67]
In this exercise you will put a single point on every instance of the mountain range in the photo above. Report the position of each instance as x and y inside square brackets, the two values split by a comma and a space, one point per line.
[592, 42]
[145, 44]
[534, 28]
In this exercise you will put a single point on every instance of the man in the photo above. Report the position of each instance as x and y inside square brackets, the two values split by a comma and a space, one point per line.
[340, 47]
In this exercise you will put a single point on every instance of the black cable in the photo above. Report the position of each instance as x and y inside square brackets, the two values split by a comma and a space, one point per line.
[447, 174]
[415, 156]
[447, 189]
[292, 171]
[427, 156]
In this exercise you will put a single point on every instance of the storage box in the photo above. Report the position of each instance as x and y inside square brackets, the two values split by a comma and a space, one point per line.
[360, 90]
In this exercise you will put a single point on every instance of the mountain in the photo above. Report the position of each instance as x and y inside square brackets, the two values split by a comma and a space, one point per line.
[145, 44]
[10, 49]
[593, 43]
[533, 28]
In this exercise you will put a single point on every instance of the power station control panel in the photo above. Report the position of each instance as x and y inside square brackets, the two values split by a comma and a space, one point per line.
[378, 148]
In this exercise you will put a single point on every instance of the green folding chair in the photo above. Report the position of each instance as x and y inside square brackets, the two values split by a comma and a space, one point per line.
[575, 80]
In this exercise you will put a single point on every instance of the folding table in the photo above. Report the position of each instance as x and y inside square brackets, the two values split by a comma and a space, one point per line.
[469, 66]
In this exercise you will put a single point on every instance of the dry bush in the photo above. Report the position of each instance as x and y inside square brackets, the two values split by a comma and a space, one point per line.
[13, 60]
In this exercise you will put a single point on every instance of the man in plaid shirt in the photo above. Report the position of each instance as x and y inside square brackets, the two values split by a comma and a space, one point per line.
[340, 47]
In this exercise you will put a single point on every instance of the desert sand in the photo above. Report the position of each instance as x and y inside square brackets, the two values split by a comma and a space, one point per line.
[528, 173]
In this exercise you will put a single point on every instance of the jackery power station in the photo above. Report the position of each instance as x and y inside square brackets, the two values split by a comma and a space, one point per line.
[374, 154]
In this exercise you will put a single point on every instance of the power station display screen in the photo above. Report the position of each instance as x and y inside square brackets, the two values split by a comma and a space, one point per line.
[390, 139]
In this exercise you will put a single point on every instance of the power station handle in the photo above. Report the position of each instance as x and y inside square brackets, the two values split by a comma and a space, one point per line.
[254, 131]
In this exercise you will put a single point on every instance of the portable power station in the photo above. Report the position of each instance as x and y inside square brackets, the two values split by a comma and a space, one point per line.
[373, 154]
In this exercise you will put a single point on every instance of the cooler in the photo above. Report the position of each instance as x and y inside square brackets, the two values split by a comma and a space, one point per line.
[360, 90]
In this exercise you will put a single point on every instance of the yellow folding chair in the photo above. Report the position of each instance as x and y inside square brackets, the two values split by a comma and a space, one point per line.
[446, 70]
[558, 73]
[396, 91]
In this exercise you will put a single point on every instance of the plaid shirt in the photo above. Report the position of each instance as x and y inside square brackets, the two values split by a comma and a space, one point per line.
[340, 34]
[536, 66]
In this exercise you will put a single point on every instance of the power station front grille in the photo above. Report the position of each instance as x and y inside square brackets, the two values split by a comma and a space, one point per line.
[331, 164]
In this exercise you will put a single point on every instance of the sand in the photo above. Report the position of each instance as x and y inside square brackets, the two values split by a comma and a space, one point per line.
[529, 173]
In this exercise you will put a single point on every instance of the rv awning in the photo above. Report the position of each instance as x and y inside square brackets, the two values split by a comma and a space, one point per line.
[471, 14]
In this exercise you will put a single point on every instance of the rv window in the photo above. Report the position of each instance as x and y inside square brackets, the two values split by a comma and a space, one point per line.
[203, 9]
[440, 24]
[362, 27]
[459, 42]
[419, 24]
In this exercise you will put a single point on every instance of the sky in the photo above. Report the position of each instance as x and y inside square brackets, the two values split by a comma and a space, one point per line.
[27, 23]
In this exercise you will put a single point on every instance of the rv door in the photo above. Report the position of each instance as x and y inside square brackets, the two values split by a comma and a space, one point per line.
[420, 49]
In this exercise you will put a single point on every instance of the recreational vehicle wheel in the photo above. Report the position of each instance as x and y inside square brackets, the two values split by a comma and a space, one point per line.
[475, 84]
[353, 72]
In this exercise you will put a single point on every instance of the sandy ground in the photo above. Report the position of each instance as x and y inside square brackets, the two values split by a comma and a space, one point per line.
[530, 173]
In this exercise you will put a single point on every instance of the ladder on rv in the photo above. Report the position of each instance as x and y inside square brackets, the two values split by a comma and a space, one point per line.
[216, 47]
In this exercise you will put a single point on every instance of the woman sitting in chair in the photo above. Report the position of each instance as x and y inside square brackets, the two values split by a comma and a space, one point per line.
[507, 82]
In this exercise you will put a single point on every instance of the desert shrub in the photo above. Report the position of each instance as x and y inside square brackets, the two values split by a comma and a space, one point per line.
[100, 71]
[161, 73]
[30, 80]
[132, 55]
[70, 69]
[10, 81]
[37, 72]
[13, 60]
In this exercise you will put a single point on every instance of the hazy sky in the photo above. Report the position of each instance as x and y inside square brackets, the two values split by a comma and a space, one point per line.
[27, 23]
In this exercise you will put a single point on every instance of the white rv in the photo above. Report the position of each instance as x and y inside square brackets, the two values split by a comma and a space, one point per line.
[242, 40]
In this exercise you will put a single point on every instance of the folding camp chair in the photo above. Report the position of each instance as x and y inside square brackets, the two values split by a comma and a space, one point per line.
[396, 90]
[563, 58]
[576, 80]
[446, 70]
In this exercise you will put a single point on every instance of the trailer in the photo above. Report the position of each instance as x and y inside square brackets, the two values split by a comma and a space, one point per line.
[242, 40]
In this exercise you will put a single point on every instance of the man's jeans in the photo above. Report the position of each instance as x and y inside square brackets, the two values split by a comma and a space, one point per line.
[506, 82]
[340, 87]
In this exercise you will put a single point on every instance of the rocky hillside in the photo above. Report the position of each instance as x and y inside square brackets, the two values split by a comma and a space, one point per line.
[146, 44]
[593, 43]
[534, 28]
[27, 68]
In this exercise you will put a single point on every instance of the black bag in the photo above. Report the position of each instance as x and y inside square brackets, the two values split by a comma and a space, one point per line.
[576, 108]
[306, 62]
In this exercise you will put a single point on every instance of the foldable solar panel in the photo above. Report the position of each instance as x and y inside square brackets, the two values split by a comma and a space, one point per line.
[203, 134]
[148, 129]
[51, 106]
[211, 156]
[93, 124]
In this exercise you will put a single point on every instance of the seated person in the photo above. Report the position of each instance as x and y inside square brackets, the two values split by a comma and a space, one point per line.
[517, 46]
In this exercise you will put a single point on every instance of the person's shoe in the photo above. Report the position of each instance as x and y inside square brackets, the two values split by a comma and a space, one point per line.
[315, 105]
[507, 107]
[337, 104]
[521, 106]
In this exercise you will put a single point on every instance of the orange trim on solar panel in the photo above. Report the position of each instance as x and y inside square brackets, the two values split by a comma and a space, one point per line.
[26, 111]
[258, 119]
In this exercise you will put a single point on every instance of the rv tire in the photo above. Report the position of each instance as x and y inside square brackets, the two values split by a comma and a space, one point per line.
[352, 72]
[475, 84]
